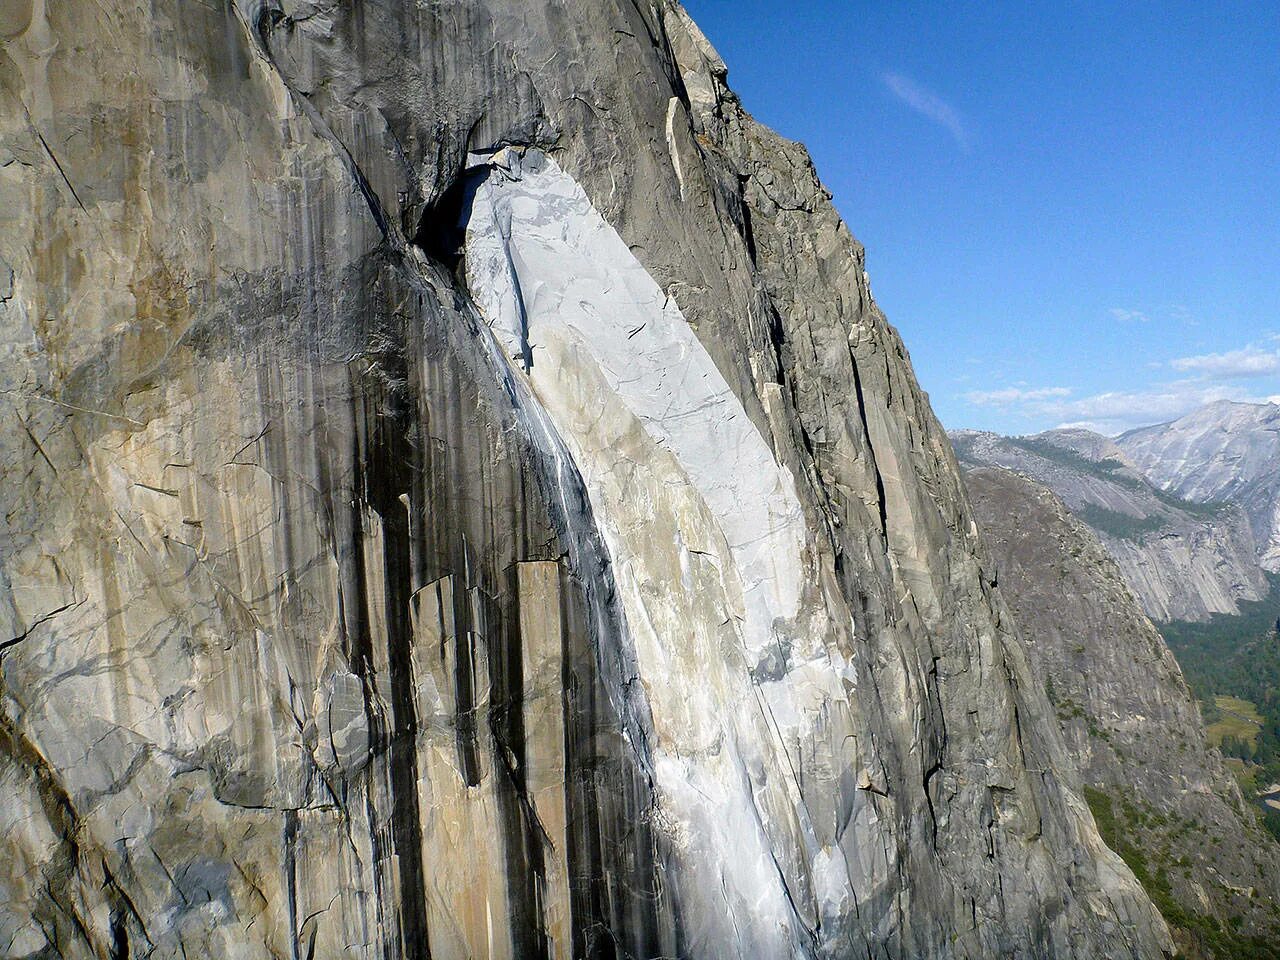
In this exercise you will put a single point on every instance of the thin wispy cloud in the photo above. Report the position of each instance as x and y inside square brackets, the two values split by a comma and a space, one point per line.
[1161, 314]
[1128, 316]
[1245, 363]
[1179, 313]
[1113, 411]
[928, 104]
[1010, 396]
[1206, 378]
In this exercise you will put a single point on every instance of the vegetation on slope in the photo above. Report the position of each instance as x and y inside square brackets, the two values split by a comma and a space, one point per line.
[1142, 836]
[1119, 525]
[1114, 471]
[1232, 664]
[1237, 730]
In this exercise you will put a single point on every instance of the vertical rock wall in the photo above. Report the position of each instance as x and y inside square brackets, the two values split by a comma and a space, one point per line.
[317, 641]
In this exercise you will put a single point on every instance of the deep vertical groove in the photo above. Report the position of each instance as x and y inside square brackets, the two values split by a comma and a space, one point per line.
[119, 936]
[871, 450]
[388, 475]
[290, 841]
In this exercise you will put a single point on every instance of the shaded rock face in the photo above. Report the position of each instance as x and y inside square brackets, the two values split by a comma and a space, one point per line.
[366, 591]
[1127, 715]
[1184, 560]
[1223, 452]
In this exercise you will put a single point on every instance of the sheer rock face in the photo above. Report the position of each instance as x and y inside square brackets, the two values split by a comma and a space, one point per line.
[367, 597]
[1185, 561]
[1224, 451]
[1125, 712]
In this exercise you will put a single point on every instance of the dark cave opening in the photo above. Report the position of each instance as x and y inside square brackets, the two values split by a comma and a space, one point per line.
[442, 229]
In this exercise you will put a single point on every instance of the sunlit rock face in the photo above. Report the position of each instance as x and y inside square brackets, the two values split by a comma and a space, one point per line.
[1225, 451]
[462, 500]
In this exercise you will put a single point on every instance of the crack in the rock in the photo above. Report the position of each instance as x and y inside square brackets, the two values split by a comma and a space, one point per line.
[14, 641]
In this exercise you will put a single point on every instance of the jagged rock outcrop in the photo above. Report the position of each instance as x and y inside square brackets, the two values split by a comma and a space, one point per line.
[462, 500]
[1222, 452]
[1184, 560]
[1130, 720]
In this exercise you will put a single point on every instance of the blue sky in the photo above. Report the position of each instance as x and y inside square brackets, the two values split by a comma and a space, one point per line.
[1071, 211]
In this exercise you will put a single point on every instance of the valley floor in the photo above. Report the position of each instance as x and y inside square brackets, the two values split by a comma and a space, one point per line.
[1232, 664]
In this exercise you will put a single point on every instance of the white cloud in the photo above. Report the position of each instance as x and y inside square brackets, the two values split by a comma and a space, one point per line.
[1250, 361]
[1169, 400]
[1114, 411]
[1119, 410]
[1248, 375]
[1010, 396]
[1129, 316]
[927, 103]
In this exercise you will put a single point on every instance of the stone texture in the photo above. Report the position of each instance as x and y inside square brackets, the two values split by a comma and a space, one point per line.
[1184, 560]
[1223, 452]
[294, 552]
[1126, 713]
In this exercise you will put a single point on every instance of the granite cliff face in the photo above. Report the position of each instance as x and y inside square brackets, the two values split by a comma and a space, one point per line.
[1184, 560]
[1223, 452]
[462, 500]
[1127, 715]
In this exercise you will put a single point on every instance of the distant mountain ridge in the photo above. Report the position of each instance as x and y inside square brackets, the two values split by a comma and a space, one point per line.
[1184, 560]
[1222, 452]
